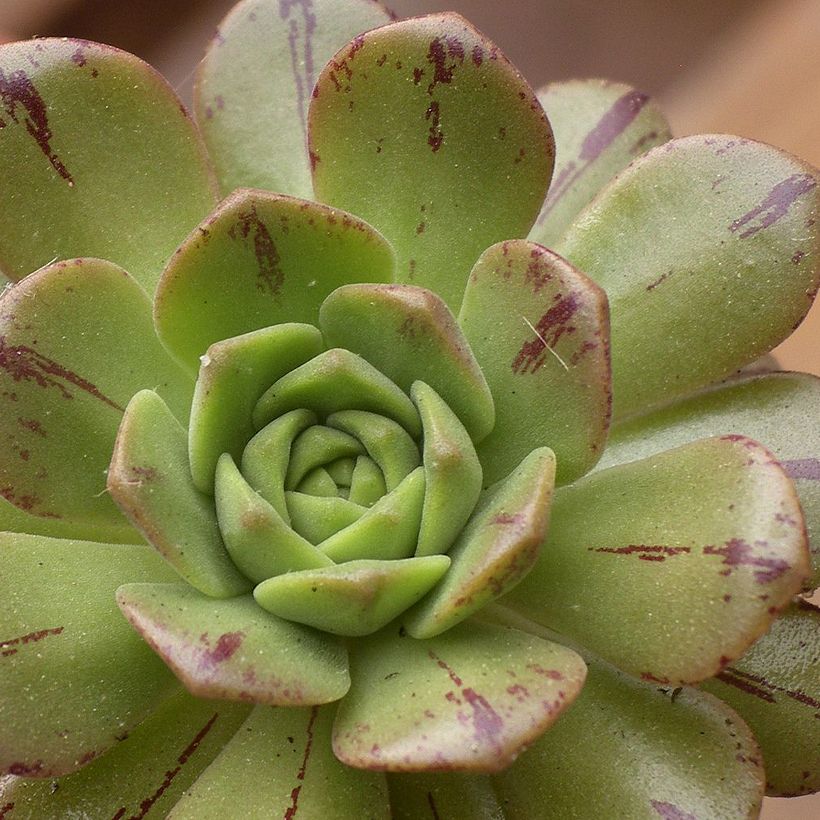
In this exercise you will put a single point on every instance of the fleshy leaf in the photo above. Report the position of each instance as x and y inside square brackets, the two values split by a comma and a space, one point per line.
[686, 560]
[409, 334]
[388, 530]
[318, 445]
[98, 156]
[265, 459]
[233, 649]
[147, 772]
[445, 796]
[775, 687]
[452, 473]
[150, 480]
[253, 87]
[367, 482]
[777, 408]
[232, 376]
[387, 443]
[599, 127]
[627, 749]
[261, 544]
[259, 260]
[356, 598]
[425, 129]
[735, 272]
[495, 551]
[76, 342]
[76, 679]
[540, 330]
[319, 482]
[337, 380]
[316, 518]
[279, 763]
[472, 699]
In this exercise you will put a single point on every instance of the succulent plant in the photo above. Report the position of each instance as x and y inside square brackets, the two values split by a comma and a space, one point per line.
[358, 458]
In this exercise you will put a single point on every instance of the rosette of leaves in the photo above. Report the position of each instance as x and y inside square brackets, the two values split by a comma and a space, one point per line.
[328, 500]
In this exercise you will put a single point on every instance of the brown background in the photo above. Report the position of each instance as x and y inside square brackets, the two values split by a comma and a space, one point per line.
[749, 67]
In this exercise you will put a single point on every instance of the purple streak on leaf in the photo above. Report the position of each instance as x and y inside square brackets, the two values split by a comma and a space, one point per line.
[669, 811]
[145, 805]
[611, 125]
[5, 809]
[436, 135]
[226, 646]
[301, 63]
[300, 775]
[17, 89]
[775, 206]
[645, 552]
[736, 553]
[549, 330]
[806, 468]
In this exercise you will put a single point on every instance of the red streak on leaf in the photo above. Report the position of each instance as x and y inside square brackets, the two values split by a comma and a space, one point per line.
[550, 328]
[806, 468]
[436, 135]
[17, 89]
[611, 125]
[300, 775]
[775, 206]
[669, 811]
[650, 678]
[26, 364]
[659, 281]
[249, 225]
[728, 677]
[432, 803]
[33, 425]
[301, 62]
[508, 518]
[31, 637]
[145, 805]
[645, 552]
[443, 665]
[437, 55]
[736, 553]
[4, 810]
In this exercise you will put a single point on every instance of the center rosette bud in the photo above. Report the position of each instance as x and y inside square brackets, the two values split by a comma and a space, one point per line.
[344, 502]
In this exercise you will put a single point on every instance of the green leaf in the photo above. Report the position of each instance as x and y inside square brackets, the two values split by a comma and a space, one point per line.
[452, 473]
[707, 250]
[76, 342]
[337, 380]
[317, 446]
[627, 749]
[254, 84]
[233, 649]
[356, 598]
[450, 796]
[265, 459]
[471, 699]
[773, 408]
[279, 763]
[316, 518]
[496, 549]
[233, 375]
[261, 544]
[599, 127]
[671, 567]
[261, 259]
[98, 156]
[150, 480]
[540, 330]
[775, 687]
[76, 678]
[367, 482]
[386, 442]
[148, 772]
[389, 530]
[410, 334]
[425, 129]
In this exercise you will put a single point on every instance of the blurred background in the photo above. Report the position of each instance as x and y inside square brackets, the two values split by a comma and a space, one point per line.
[749, 67]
